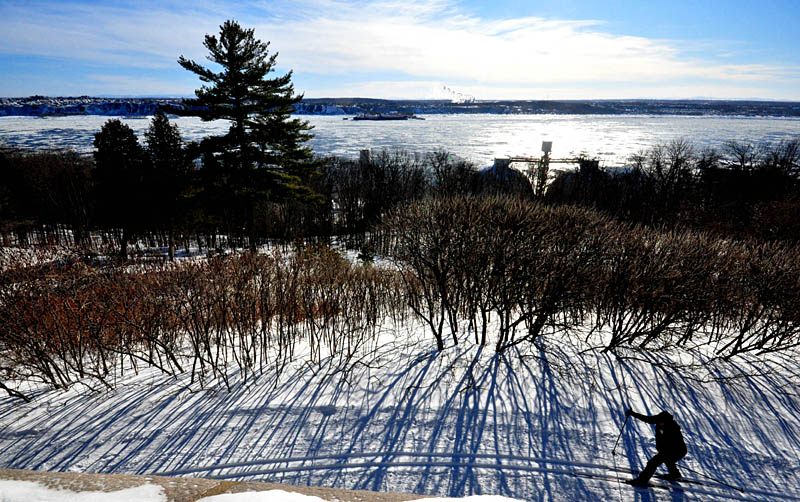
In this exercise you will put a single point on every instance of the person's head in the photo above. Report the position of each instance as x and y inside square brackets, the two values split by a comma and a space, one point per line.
[664, 416]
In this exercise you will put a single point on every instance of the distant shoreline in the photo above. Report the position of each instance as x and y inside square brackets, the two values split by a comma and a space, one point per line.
[43, 106]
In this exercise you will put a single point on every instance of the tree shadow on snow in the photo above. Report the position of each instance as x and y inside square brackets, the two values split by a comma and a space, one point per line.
[528, 424]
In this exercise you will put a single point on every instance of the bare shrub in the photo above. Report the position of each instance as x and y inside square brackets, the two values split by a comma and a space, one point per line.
[55, 329]
[506, 270]
[479, 258]
[470, 263]
[761, 300]
[451, 176]
[431, 244]
[655, 289]
[81, 323]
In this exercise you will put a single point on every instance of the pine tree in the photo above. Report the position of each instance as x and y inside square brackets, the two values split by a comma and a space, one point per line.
[169, 178]
[120, 170]
[263, 154]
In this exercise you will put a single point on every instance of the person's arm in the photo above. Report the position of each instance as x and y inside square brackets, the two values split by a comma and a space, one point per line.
[644, 418]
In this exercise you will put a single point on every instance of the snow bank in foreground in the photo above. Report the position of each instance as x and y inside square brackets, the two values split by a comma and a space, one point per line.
[25, 491]
[266, 496]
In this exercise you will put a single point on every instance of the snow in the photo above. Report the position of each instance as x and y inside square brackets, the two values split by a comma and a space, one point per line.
[283, 496]
[267, 496]
[25, 491]
[529, 426]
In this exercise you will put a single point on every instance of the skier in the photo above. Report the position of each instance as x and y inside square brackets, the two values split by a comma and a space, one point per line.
[669, 443]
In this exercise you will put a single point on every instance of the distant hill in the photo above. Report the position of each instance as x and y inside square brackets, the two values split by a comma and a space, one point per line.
[41, 106]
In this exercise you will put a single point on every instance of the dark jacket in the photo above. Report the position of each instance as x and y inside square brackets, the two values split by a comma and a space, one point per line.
[669, 439]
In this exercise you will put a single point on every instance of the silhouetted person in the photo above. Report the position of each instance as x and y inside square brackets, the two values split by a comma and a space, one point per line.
[669, 443]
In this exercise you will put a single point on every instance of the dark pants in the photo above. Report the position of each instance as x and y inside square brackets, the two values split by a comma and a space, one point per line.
[661, 458]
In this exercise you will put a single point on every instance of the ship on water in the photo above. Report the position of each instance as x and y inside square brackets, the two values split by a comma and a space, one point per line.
[386, 116]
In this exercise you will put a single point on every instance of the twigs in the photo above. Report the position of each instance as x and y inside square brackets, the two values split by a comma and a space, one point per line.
[532, 270]
[503, 271]
[250, 310]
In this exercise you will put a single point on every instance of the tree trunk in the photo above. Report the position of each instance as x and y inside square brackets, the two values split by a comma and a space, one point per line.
[123, 245]
[171, 239]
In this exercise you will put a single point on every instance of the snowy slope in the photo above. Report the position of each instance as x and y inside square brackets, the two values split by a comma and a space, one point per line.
[535, 426]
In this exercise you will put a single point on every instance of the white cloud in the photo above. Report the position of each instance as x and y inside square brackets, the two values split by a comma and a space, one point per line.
[520, 51]
[120, 85]
[433, 90]
[372, 43]
[132, 37]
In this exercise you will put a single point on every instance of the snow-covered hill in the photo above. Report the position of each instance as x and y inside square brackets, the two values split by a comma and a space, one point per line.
[531, 426]
[39, 106]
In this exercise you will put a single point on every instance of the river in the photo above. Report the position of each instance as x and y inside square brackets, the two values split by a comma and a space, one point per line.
[480, 138]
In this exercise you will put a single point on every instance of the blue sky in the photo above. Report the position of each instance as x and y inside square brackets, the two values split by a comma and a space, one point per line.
[501, 49]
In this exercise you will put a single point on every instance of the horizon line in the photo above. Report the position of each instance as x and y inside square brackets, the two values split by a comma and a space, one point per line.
[438, 100]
